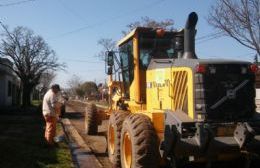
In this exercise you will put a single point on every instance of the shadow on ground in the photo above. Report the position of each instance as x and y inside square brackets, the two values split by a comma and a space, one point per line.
[74, 115]
[22, 142]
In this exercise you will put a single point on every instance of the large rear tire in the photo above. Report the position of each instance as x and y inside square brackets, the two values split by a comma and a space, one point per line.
[139, 143]
[91, 124]
[113, 137]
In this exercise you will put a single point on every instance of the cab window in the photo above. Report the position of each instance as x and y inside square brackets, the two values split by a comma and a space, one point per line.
[126, 59]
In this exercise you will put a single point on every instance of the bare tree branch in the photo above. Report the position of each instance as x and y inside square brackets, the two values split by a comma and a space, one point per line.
[148, 22]
[107, 45]
[238, 19]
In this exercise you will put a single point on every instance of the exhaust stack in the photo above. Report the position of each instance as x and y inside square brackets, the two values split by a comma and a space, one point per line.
[189, 36]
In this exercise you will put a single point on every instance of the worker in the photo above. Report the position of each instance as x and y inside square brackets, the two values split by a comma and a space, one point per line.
[51, 110]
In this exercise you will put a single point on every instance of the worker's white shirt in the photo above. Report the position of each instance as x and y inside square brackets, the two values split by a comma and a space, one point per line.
[49, 101]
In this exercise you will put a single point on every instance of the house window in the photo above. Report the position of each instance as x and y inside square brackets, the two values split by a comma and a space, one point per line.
[9, 89]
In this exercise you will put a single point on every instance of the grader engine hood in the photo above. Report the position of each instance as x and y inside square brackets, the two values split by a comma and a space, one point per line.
[222, 114]
[208, 90]
[225, 92]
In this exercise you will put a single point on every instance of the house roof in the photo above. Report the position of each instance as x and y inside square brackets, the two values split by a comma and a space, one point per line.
[5, 65]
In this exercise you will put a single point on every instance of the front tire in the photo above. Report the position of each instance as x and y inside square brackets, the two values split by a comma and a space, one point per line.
[139, 143]
[91, 125]
[113, 137]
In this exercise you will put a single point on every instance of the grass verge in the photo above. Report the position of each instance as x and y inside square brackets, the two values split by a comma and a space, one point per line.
[22, 144]
[36, 103]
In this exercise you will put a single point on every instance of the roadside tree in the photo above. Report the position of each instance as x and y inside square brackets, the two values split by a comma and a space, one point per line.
[90, 89]
[238, 19]
[31, 56]
[74, 84]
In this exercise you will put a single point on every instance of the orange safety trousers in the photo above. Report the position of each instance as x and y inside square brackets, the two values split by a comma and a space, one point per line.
[50, 130]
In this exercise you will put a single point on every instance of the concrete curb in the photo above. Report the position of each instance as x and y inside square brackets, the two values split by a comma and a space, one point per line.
[82, 155]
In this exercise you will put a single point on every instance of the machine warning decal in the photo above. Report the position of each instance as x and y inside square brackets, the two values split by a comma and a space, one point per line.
[165, 83]
[160, 76]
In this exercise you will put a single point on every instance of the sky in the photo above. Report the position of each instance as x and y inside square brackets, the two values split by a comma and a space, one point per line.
[73, 27]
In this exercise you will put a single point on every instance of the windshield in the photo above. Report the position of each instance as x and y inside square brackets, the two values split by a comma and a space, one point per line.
[155, 47]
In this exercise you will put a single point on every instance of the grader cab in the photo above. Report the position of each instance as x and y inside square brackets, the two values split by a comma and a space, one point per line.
[166, 105]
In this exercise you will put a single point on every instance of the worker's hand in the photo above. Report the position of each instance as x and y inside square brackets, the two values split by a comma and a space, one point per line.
[58, 119]
[47, 118]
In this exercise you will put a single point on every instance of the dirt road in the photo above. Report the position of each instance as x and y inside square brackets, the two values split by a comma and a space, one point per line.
[98, 144]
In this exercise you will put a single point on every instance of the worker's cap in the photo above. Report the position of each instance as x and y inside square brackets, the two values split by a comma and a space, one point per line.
[56, 86]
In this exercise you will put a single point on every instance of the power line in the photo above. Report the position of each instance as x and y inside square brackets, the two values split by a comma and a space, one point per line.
[208, 37]
[84, 61]
[70, 10]
[16, 3]
[112, 19]
[237, 56]
[95, 70]
[245, 55]
[200, 39]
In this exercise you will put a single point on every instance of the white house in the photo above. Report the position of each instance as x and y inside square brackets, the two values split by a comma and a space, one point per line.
[8, 84]
[257, 86]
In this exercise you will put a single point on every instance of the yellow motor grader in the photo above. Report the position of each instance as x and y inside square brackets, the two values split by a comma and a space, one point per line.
[167, 106]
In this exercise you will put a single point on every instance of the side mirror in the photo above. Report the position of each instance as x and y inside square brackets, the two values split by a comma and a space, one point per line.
[109, 62]
[109, 70]
[110, 58]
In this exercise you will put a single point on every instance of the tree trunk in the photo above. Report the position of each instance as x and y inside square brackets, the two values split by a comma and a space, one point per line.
[26, 95]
